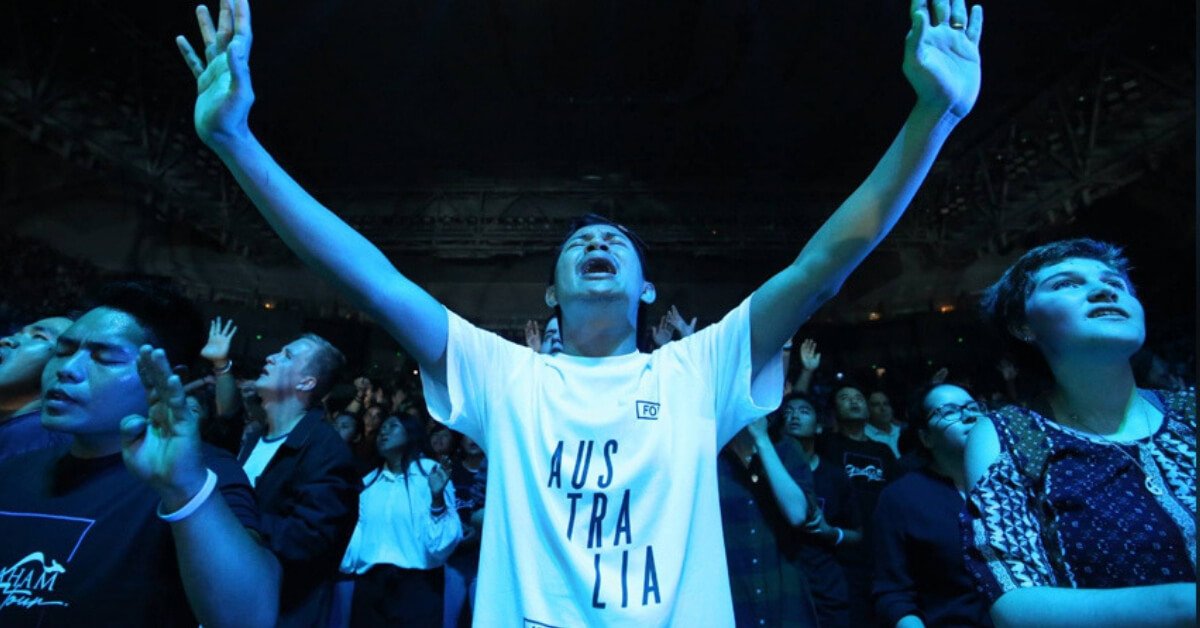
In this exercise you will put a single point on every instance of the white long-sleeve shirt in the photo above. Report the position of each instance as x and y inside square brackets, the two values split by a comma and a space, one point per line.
[396, 525]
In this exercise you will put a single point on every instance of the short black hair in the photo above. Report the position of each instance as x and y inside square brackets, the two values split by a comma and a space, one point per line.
[1003, 303]
[843, 385]
[798, 395]
[587, 220]
[171, 321]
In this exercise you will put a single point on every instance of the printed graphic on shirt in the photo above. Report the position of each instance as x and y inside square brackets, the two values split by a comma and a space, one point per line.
[647, 410]
[864, 466]
[31, 574]
[603, 520]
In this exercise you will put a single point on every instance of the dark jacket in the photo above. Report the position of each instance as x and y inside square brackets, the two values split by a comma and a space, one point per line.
[308, 496]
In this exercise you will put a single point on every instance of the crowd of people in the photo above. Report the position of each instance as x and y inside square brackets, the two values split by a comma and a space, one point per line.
[608, 471]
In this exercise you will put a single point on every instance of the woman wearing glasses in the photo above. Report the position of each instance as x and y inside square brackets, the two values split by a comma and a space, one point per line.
[920, 576]
[1082, 507]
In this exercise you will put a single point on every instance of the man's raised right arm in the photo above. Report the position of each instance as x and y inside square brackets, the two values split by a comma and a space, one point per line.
[324, 241]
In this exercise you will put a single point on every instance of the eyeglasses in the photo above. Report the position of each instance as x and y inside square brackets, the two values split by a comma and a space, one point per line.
[953, 413]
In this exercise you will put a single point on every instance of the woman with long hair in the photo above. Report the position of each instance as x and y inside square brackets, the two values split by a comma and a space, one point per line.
[1082, 510]
[407, 528]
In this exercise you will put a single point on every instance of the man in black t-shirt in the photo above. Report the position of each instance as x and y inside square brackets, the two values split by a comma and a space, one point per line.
[869, 465]
[121, 527]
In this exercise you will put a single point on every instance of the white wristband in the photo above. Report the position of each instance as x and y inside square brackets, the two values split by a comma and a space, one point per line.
[840, 535]
[194, 504]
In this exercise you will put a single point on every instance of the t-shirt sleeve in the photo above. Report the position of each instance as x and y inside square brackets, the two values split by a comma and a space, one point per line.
[720, 353]
[474, 359]
[234, 486]
[1001, 535]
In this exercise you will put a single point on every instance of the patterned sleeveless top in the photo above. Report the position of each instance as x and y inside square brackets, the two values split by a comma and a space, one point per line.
[1062, 509]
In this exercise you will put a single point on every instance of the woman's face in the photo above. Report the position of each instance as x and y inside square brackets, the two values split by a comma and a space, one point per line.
[441, 441]
[392, 436]
[347, 428]
[953, 412]
[1082, 306]
[372, 419]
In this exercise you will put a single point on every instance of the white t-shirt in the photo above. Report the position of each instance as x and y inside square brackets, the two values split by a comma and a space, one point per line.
[396, 525]
[264, 450]
[891, 439]
[602, 505]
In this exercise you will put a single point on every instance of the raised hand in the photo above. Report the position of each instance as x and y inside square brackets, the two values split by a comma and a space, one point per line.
[809, 358]
[758, 430]
[163, 447]
[941, 57]
[1007, 369]
[219, 337]
[223, 77]
[437, 481]
[533, 335]
[685, 328]
[939, 376]
[663, 332]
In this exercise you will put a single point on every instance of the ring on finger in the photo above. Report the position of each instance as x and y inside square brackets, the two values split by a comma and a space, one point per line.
[958, 26]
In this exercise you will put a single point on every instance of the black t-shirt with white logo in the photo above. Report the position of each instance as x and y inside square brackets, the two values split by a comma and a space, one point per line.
[81, 545]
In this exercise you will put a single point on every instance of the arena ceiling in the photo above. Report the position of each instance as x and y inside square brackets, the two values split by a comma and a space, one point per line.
[470, 131]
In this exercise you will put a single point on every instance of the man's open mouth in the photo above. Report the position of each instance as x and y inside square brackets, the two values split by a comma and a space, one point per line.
[598, 266]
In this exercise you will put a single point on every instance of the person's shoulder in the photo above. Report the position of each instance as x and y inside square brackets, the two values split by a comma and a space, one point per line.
[26, 467]
[879, 449]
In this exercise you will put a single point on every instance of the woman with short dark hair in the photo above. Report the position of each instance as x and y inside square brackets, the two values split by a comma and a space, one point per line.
[1082, 510]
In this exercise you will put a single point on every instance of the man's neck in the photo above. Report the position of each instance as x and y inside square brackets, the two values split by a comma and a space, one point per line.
[854, 430]
[95, 445]
[593, 333]
[19, 405]
[809, 445]
[282, 415]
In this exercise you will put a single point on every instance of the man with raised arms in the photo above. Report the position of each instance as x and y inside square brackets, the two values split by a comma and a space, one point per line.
[602, 501]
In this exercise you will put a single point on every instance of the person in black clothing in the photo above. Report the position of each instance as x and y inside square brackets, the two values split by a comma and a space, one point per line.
[83, 545]
[304, 476]
[870, 465]
[840, 521]
[920, 576]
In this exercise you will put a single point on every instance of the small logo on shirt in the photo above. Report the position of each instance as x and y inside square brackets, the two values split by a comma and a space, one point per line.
[871, 472]
[23, 584]
[647, 410]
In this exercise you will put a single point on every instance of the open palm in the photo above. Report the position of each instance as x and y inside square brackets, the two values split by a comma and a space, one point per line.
[224, 92]
[941, 58]
[163, 447]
